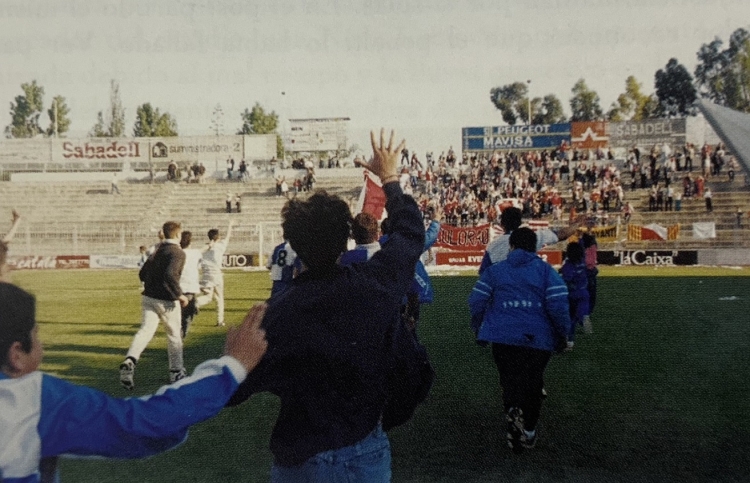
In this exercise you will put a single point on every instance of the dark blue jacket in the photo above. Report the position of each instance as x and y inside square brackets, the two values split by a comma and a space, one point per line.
[327, 347]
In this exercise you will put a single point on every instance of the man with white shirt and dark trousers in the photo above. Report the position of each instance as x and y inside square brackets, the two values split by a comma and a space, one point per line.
[161, 302]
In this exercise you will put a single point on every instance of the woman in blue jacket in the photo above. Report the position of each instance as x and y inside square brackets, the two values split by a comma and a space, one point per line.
[520, 306]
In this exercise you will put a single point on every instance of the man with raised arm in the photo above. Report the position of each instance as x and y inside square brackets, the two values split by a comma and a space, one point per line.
[330, 336]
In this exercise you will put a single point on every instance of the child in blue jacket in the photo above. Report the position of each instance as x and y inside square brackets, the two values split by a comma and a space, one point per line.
[42, 417]
[574, 274]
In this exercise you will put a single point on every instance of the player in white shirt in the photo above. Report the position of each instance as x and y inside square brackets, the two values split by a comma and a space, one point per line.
[190, 280]
[212, 282]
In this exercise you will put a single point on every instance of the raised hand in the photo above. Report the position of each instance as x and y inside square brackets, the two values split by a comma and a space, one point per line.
[384, 162]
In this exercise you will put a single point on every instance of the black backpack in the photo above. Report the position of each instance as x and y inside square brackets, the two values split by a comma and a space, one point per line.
[410, 375]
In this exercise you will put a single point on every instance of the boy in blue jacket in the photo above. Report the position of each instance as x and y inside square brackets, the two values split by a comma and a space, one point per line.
[42, 416]
[520, 306]
[574, 274]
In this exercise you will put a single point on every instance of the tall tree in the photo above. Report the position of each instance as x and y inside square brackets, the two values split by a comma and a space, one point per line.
[111, 124]
[548, 110]
[584, 105]
[149, 122]
[59, 122]
[722, 75]
[257, 121]
[675, 90]
[633, 104]
[116, 112]
[217, 120]
[25, 112]
[512, 101]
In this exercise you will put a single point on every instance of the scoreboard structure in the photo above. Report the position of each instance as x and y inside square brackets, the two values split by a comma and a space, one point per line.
[317, 135]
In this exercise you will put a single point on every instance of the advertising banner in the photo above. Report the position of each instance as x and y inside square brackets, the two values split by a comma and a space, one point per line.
[115, 261]
[99, 150]
[646, 134]
[205, 149]
[32, 263]
[239, 261]
[472, 259]
[648, 257]
[588, 135]
[73, 261]
[135, 153]
[525, 137]
[475, 237]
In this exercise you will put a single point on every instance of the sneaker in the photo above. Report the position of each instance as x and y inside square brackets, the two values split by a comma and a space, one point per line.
[569, 346]
[176, 375]
[220, 324]
[127, 370]
[528, 440]
[514, 434]
[587, 327]
[544, 393]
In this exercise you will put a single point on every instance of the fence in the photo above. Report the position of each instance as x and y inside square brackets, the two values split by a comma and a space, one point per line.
[36, 239]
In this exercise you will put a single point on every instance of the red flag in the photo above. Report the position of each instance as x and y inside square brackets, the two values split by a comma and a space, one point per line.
[373, 199]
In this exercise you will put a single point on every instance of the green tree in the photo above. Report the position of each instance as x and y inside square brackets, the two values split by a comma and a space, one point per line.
[548, 110]
[100, 129]
[257, 121]
[675, 90]
[584, 105]
[25, 112]
[512, 101]
[149, 122]
[59, 122]
[722, 75]
[113, 124]
[633, 104]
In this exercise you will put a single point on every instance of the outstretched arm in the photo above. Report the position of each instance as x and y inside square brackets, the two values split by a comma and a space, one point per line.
[83, 421]
[9, 236]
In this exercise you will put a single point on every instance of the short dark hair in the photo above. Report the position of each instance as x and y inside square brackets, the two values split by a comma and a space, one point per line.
[186, 238]
[213, 234]
[317, 228]
[365, 228]
[524, 239]
[511, 218]
[588, 239]
[574, 252]
[170, 229]
[17, 319]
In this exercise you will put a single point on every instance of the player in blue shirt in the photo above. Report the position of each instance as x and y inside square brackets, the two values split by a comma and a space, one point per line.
[283, 264]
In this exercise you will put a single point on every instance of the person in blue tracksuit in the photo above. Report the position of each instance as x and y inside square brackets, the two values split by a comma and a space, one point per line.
[42, 416]
[520, 306]
[573, 272]
[421, 291]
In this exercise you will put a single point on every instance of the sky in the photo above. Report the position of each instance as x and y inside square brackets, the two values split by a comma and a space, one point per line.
[424, 68]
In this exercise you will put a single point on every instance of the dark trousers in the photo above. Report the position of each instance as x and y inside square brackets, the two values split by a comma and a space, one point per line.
[188, 313]
[522, 379]
[591, 286]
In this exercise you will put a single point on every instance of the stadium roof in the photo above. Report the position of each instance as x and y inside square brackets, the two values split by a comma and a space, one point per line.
[733, 127]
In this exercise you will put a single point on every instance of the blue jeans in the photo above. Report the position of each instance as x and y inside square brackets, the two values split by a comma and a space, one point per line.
[368, 461]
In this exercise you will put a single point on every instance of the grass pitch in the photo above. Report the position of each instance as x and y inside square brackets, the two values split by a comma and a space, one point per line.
[659, 392]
